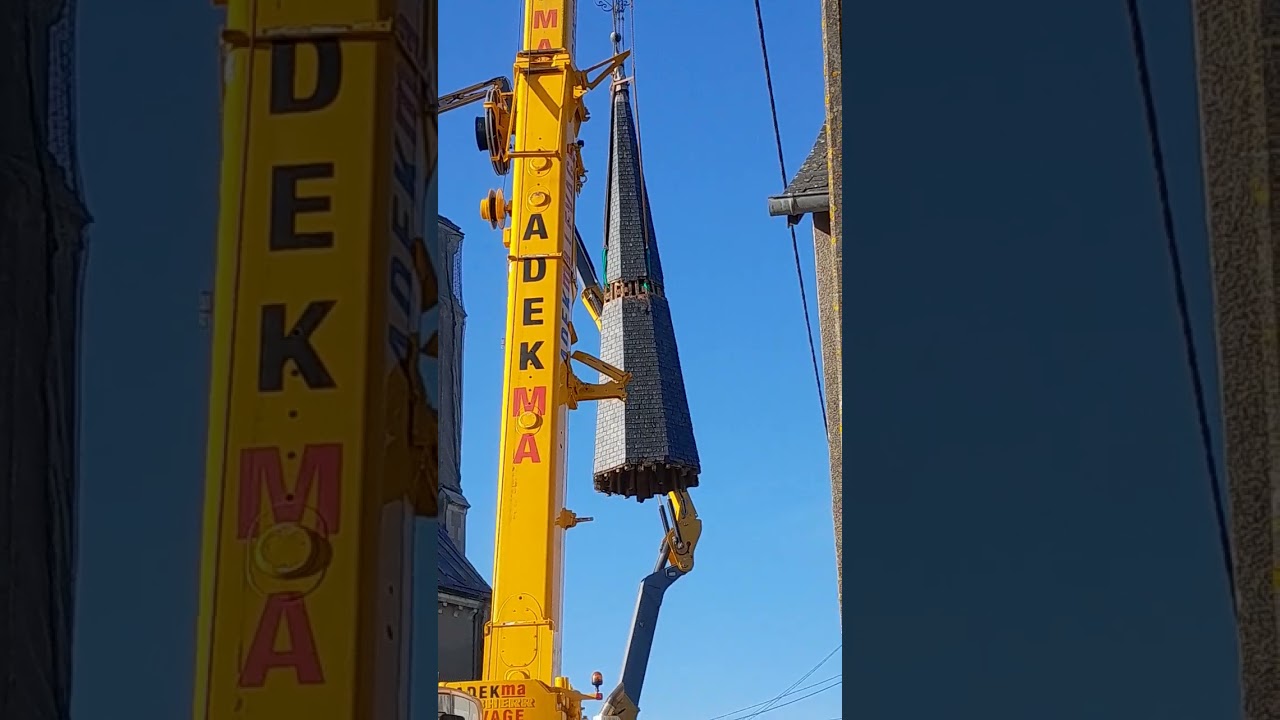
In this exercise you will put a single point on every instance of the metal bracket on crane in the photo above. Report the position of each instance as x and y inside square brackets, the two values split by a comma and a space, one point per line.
[606, 68]
[472, 93]
[615, 388]
[371, 30]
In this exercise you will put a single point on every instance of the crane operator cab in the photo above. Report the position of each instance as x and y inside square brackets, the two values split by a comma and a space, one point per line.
[457, 705]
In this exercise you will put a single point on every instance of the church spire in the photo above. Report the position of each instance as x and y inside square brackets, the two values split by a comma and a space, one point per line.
[644, 446]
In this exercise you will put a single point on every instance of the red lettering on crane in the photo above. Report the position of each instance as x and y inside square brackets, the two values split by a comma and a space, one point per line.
[504, 714]
[507, 691]
[300, 652]
[546, 18]
[262, 468]
[526, 450]
[525, 400]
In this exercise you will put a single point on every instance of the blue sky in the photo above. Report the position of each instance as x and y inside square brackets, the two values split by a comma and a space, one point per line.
[760, 607]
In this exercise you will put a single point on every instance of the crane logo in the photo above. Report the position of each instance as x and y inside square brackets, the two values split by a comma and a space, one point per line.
[544, 20]
[289, 549]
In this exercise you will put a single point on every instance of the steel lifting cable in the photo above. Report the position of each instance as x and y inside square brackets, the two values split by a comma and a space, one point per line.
[795, 244]
[1180, 293]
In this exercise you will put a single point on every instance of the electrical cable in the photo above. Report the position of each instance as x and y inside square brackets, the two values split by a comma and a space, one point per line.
[1180, 292]
[795, 244]
[806, 696]
[766, 702]
[773, 705]
[790, 690]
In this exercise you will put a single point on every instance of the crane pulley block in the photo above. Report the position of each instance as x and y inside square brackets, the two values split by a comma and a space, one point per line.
[494, 209]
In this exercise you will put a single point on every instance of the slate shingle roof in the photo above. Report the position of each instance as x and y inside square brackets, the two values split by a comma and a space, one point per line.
[456, 575]
[645, 445]
[811, 178]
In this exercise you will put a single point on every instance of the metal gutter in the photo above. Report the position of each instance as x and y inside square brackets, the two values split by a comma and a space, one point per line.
[797, 205]
[447, 599]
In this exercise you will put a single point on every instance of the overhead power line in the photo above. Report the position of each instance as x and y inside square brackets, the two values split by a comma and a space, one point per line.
[1180, 292]
[772, 703]
[795, 244]
[748, 708]
[795, 684]
[779, 706]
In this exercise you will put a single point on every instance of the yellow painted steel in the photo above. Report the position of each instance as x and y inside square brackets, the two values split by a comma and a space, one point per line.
[320, 446]
[528, 564]
[521, 677]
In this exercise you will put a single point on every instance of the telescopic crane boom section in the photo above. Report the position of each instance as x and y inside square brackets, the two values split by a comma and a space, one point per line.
[522, 640]
[320, 437]
[530, 128]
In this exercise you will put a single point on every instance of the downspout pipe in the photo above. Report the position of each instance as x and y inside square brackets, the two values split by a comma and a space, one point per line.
[795, 206]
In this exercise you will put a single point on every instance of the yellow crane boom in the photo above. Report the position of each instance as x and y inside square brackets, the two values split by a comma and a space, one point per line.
[320, 441]
[535, 128]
